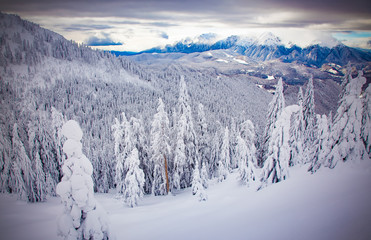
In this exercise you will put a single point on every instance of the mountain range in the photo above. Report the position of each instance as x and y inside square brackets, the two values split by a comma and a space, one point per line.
[266, 47]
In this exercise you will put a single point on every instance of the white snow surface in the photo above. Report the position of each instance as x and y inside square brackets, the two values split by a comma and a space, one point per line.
[330, 204]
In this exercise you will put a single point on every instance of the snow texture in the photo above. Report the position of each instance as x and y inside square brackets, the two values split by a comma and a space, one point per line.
[331, 204]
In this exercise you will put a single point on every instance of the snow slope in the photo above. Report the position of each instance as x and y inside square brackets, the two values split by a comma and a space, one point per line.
[331, 204]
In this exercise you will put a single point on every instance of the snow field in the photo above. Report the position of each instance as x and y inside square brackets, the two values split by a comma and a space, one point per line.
[330, 204]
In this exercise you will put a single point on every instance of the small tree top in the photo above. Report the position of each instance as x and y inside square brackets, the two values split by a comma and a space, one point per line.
[72, 130]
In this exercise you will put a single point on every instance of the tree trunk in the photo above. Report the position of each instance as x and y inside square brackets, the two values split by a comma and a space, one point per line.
[167, 175]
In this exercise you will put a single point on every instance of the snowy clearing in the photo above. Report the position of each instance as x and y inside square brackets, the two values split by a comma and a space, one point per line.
[331, 204]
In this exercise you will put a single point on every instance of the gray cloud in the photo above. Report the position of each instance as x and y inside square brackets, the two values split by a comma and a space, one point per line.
[106, 41]
[164, 35]
[85, 27]
[166, 13]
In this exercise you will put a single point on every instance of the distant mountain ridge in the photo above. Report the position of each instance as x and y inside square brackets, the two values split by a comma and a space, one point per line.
[268, 47]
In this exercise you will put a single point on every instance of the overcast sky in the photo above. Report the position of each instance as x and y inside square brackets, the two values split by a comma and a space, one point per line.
[135, 25]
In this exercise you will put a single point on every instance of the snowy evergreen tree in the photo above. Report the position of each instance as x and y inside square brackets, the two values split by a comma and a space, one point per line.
[309, 119]
[185, 150]
[232, 144]
[43, 149]
[197, 187]
[215, 151]
[297, 134]
[160, 149]
[22, 175]
[141, 142]
[40, 179]
[57, 123]
[345, 138]
[222, 171]
[274, 110]
[322, 146]
[203, 136]
[276, 166]
[134, 180]
[123, 145]
[247, 133]
[224, 151]
[204, 176]
[366, 120]
[246, 153]
[5, 159]
[83, 218]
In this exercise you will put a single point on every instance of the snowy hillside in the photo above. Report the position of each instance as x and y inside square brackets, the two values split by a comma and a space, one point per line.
[42, 71]
[331, 204]
[218, 143]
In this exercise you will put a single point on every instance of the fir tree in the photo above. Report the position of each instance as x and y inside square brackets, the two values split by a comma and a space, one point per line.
[185, 150]
[246, 153]
[276, 166]
[134, 180]
[123, 145]
[232, 144]
[297, 134]
[198, 188]
[309, 122]
[366, 120]
[83, 218]
[204, 150]
[22, 175]
[224, 152]
[322, 146]
[160, 148]
[274, 110]
[204, 176]
[345, 138]
[247, 133]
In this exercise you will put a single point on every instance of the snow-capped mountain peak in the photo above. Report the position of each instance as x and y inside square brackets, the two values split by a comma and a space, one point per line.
[268, 39]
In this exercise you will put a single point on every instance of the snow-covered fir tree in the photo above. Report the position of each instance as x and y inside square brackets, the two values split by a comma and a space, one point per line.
[22, 175]
[322, 146]
[83, 218]
[198, 188]
[215, 151]
[247, 133]
[203, 137]
[204, 176]
[297, 134]
[345, 138]
[276, 167]
[5, 158]
[222, 171]
[185, 153]
[134, 180]
[225, 156]
[233, 143]
[246, 153]
[160, 149]
[141, 142]
[274, 110]
[366, 120]
[57, 123]
[309, 121]
[123, 145]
